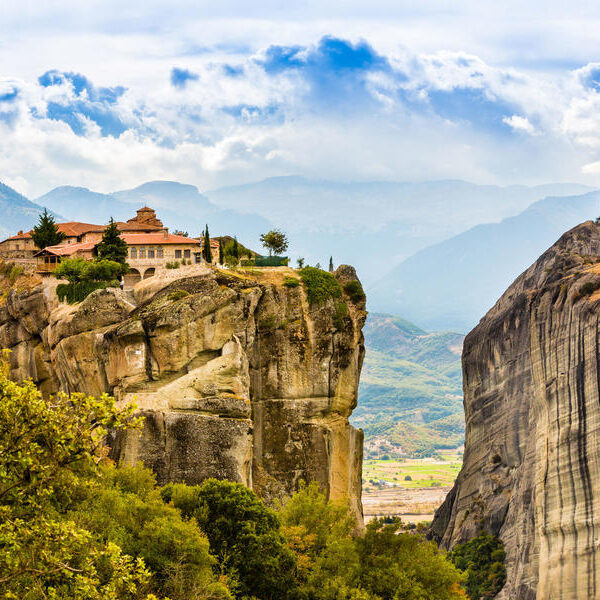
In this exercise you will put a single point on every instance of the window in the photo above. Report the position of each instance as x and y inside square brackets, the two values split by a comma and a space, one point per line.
[187, 254]
[133, 252]
[177, 253]
[142, 252]
[151, 252]
[159, 252]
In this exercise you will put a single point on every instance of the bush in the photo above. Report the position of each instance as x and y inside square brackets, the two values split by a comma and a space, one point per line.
[177, 295]
[231, 260]
[482, 560]
[320, 286]
[341, 312]
[271, 261]
[291, 282]
[587, 289]
[172, 265]
[247, 262]
[243, 534]
[78, 292]
[408, 478]
[355, 290]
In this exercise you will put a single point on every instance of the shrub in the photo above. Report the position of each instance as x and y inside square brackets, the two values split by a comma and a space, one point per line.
[177, 295]
[291, 282]
[78, 292]
[247, 262]
[482, 559]
[15, 272]
[408, 478]
[320, 286]
[355, 290]
[244, 536]
[231, 260]
[172, 265]
[341, 311]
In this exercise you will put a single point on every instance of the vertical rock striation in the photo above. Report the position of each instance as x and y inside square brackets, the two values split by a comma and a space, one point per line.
[237, 378]
[531, 471]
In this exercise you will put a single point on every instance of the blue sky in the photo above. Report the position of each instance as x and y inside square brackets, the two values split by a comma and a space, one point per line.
[108, 95]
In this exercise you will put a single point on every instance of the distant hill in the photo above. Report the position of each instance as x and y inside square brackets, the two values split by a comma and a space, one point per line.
[451, 285]
[411, 388]
[17, 212]
[179, 206]
[373, 225]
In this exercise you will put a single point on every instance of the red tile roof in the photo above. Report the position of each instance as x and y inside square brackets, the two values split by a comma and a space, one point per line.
[19, 236]
[68, 249]
[157, 239]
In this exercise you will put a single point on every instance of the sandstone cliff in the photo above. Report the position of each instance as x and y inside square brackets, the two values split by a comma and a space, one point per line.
[237, 376]
[531, 470]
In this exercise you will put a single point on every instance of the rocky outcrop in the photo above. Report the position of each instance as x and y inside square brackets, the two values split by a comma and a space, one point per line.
[237, 376]
[531, 471]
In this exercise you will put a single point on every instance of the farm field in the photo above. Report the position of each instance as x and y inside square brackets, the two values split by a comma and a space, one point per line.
[412, 489]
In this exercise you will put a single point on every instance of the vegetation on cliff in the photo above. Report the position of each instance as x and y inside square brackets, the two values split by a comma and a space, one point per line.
[75, 526]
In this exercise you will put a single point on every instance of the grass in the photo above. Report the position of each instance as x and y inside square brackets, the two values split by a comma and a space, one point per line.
[423, 474]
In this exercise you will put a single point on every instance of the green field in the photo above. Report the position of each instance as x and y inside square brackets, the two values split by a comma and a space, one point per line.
[422, 473]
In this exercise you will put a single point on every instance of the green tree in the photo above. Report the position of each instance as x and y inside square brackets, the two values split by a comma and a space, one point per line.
[46, 232]
[482, 560]
[112, 247]
[243, 534]
[331, 264]
[235, 250]
[300, 263]
[275, 241]
[221, 255]
[206, 250]
[49, 448]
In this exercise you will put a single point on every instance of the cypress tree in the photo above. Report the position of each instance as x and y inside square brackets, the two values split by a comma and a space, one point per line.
[112, 246]
[206, 250]
[331, 264]
[46, 232]
[221, 257]
[236, 248]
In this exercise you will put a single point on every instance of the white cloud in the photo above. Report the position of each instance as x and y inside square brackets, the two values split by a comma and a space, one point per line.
[454, 103]
[519, 124]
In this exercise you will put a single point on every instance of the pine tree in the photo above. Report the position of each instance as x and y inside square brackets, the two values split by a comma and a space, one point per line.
[112, 246]
[206, 247]
[331, 264]
[221, 256]
[46, 232]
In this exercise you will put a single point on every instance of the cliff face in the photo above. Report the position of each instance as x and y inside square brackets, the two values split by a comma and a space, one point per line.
[237, 378]
[531, 471]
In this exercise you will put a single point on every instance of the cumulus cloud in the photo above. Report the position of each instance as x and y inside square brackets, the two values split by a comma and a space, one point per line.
[337, 107]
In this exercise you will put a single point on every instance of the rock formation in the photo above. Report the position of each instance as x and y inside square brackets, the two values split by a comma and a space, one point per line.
[236, 378]
[531, 471]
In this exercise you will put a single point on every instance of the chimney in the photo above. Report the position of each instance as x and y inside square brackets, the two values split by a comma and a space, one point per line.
[166, 232]
[20, 232]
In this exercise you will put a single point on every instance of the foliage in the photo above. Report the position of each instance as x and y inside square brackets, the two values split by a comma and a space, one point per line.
[46, 232]
[172, 265]
[178, 295]
[300, 263]
[384, 564]
[221, 251]
[341, 312]
[275, 241]
[49, 449]
[588, 288]
[181, 233]
[206, 250]
[271, 261]
[74, 293]
[331, 264]
[355, 291]
[482, 559]
[395, 565]
[320, 286]
[231, 261]
[243, 534]
[125, 508]
[291, 282]
[112, 247]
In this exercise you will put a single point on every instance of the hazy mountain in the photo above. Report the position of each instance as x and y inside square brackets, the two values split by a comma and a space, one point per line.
[454, 283]
[373, 225]
[16, 212]
[411, 387]
[179, 206]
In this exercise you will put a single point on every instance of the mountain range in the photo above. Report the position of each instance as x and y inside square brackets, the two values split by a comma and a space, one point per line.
[410, 394]
[451, 285]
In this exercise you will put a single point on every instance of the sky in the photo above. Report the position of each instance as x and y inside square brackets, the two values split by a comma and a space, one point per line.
[107, 94]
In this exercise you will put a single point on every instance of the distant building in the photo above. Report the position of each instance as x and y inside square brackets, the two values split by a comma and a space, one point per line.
[150, 246]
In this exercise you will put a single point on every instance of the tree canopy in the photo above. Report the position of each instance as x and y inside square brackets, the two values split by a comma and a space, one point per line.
[112, 247]
[275, 241]
[46, 232]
